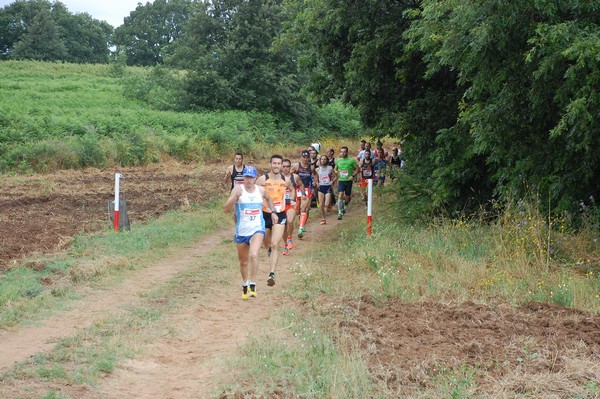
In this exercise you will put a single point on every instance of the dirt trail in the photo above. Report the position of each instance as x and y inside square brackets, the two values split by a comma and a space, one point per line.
[535, 350]
[188, 365]
[17, 346]
[183, 365]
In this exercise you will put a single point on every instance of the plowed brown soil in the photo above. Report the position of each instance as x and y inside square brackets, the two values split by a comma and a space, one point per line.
[41, 213]
[536, 350]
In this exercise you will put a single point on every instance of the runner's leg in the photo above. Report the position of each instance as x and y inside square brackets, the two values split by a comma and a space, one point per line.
[253, 250]
[276, 236]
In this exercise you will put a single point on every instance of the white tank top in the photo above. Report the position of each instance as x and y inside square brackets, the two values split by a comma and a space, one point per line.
[325, 175]
[248, 212]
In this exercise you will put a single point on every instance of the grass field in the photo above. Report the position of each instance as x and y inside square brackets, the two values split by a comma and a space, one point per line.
[67, 116]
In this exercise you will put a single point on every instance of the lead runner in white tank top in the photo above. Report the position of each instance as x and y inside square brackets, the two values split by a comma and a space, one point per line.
[249, 213]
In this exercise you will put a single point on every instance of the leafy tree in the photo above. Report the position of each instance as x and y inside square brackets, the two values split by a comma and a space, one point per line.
[493, 98]
[237, 63]
[41, 41]
[14, 20]
[63, 36]
[528, 95]
[150, 28]
[86, 39]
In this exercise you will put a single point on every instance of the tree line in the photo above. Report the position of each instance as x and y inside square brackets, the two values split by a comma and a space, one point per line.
[493, 99]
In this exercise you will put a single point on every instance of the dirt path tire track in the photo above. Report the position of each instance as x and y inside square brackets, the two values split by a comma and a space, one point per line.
[190, 364]
[180, 366]
[19, 345]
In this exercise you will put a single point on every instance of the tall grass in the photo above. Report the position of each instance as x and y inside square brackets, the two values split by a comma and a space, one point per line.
[446, 260]
[57, 116]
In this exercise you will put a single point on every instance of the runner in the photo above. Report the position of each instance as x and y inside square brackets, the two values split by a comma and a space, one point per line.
[363, 144]
[361, 154]
[324, 183]
[314, 162]
[306, 173]
[292, 203]
[331, 162]
[367, 171]
[234, 172]
[346, 169]
[247, 200]
[380, 167]
[275, 217]
[395, 162]
[330, 157]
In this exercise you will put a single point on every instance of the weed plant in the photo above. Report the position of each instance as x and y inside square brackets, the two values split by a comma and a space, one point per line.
[63, 116]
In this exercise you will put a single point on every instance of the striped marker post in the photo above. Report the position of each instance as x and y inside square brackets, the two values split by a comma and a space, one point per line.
[117, 201]
[369, 207]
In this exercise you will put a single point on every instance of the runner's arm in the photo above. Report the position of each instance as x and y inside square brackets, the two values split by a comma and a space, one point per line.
[299, 183]
[270, 205]
[236, 192]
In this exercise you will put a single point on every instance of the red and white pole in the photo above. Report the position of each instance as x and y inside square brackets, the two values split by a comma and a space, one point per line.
[369, 207]
[117, 201]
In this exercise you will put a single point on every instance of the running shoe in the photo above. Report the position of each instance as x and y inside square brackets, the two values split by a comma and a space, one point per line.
[286, 251]
[301, 232]
[245, 292]
[340, 215]
[290, 244]
[252, 290]
[323, 221]
[271, 279]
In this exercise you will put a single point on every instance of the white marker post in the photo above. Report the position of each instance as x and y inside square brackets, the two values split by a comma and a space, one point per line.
[116, 214]
[369, 206]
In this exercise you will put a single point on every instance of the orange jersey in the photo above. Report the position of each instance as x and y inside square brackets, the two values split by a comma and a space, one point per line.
[276, 190]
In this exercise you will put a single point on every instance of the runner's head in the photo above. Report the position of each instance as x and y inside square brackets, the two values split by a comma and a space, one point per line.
[324, 160]
[304, 157]
[344, 152]
[286, 166]
[239, 158]
[249, 173]
[276, 161]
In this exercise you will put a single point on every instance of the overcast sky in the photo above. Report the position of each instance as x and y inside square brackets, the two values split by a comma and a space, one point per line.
[111, 11]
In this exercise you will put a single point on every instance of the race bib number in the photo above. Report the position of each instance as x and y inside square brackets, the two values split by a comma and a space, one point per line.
[367, 173]
[277, 206]
[324, 180]
[250, 215]
[343, 174]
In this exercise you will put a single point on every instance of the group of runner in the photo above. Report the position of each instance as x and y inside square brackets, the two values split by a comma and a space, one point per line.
[265, 206]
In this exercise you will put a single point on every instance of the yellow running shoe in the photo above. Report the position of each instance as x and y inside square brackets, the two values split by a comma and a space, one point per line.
[245, 292]
[252, 290]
